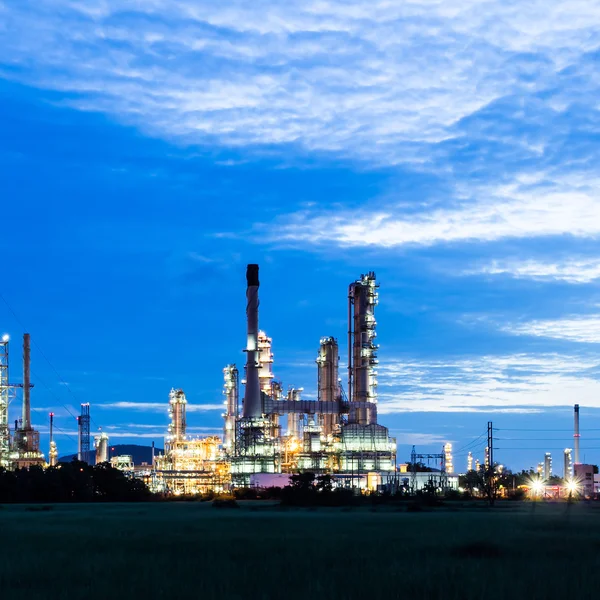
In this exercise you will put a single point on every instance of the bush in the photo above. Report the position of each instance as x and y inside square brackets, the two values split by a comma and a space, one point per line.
[225, 502]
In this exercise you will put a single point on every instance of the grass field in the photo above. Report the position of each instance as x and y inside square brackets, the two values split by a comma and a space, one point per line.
[172, 550]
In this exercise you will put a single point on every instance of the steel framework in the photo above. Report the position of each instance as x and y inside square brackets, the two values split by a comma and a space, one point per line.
[414, 458]
[4, 401]
[84, 433]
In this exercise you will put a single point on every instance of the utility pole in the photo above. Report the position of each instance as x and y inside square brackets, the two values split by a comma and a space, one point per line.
[490, 471]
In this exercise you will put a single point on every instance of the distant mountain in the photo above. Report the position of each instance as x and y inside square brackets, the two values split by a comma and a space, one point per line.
[140, 454]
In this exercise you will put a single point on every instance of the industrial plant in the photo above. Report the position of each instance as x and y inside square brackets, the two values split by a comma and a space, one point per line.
[270, 432]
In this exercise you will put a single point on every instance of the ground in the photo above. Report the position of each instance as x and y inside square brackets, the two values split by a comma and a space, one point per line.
[192, 550]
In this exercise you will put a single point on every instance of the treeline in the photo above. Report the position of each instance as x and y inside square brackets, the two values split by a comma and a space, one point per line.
[308, 489]
[70, 482]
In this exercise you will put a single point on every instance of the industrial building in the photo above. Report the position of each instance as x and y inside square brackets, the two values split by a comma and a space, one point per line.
[189, 465]
[273, 432]
[22, 448]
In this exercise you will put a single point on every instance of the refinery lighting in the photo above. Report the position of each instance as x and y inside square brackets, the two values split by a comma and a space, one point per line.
[537, 487]
[5, 337]
[573, 487]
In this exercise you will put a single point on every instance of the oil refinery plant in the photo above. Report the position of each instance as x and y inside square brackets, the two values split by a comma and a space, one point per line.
[276, 433]
[267, 433]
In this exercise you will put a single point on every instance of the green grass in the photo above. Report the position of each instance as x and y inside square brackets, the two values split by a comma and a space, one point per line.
[192, 550]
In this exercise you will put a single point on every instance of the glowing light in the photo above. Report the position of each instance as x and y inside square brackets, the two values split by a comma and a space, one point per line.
[573, 487]
[5, 337]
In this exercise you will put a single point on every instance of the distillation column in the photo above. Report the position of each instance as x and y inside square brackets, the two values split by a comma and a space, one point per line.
[328, 380]
[101, 445]
[177, 404]
[294, 419]
[4, 400]
[362, 350]
[53, 454]
[576, 436]
[231, 391]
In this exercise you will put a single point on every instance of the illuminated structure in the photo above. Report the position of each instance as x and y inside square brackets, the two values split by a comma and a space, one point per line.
[26, 443]
[576, 436]
[567, 464]
[101, 446]
[189, 465]
[124, 463]
[4, 401]
[177, 405]
[448, 458]
[470, 461]
[83, 430]
[231, 391]
[331, 434]
[53, 453]
[547, 466]
[362, 350]
[583, 475]
[329, 383]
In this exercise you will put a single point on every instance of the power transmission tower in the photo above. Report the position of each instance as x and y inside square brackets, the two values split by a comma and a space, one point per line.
[83, 421]
[490, 482]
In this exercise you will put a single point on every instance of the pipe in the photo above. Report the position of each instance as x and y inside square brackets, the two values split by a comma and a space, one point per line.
[26, 425]
[576, 435]
[252, 394]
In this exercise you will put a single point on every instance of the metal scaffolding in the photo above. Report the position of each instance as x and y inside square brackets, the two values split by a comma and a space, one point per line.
[4, 402]
[83, 422]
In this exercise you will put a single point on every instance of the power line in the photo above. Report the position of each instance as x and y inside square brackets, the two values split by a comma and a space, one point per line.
[472, 444]
[47, 360]
[560, 448]
[545, 430]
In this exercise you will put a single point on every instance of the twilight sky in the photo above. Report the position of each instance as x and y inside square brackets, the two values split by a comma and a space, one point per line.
[149, 150]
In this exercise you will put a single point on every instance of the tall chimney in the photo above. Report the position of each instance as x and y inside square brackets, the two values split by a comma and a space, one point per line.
[252, 395]
[576, 435]
[26, 425]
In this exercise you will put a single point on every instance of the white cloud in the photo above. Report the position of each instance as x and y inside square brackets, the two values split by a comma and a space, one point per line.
[491, 384]
[361, 76]
[574, 270]
[413, 438]
[159, 406]
[585, 329]
[527, 207]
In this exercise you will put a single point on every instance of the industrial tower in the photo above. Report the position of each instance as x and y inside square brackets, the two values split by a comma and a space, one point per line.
[83, 422]
[53, 454]
[4, 401]
[231, 391]
[26, 450]
[331, 434]
[362, 350]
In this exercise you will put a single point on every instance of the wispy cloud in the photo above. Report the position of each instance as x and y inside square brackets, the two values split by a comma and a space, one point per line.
[530, 206]
[585, 329]
[491, 384]
[158, 406]
[361, 77]
[574, 270]
[410, 437]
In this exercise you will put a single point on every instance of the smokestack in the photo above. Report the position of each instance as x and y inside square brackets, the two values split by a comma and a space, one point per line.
[252, 394]
[576, 435]
[26, 425]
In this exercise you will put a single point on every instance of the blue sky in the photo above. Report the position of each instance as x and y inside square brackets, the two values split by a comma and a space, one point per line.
[150, 150]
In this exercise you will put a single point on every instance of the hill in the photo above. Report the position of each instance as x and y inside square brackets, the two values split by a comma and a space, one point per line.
[140, 454]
